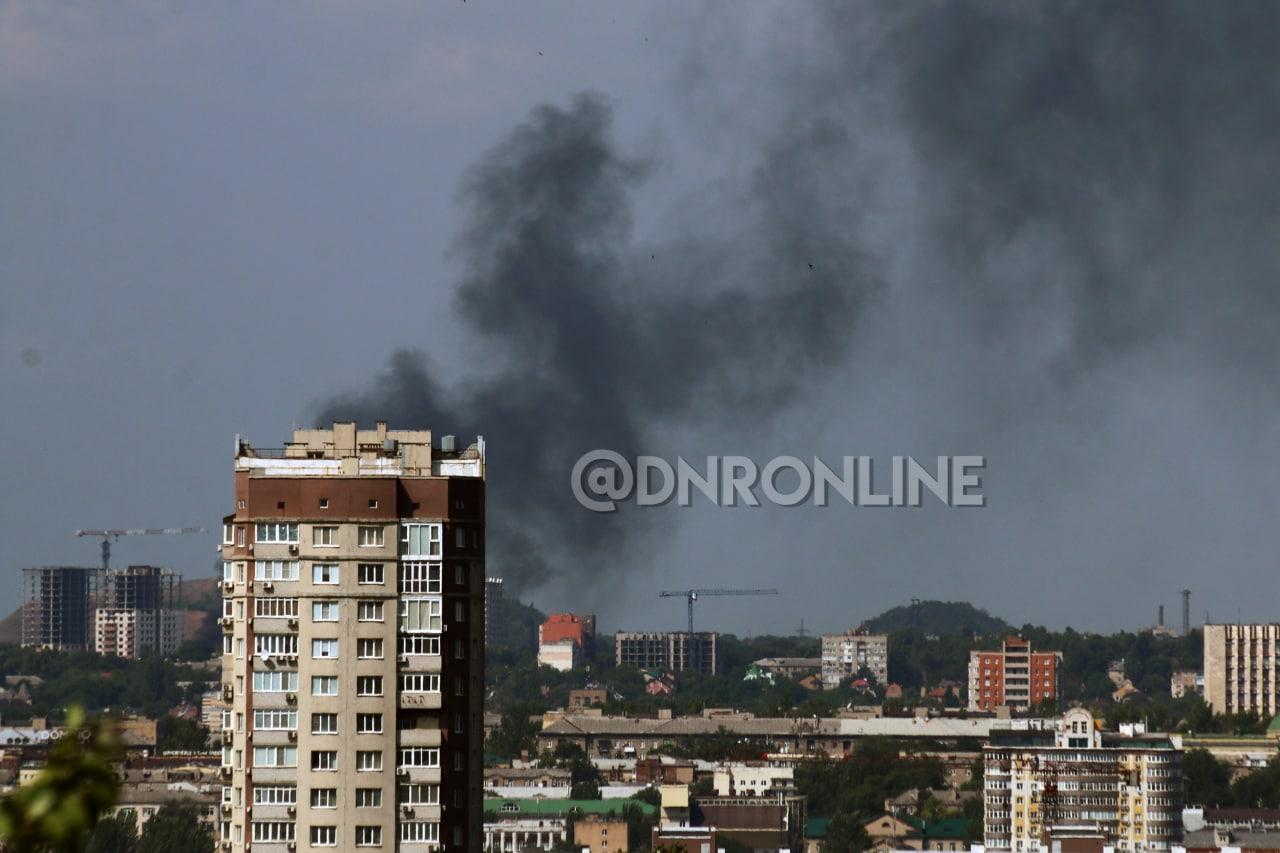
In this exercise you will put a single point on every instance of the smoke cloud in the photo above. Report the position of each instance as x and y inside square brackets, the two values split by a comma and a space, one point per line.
[595, 341]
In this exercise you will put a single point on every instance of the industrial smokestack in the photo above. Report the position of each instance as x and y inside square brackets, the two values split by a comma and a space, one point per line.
[1186, 612]
[1160, 617]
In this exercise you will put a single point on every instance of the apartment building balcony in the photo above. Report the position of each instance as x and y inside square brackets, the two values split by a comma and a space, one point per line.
[273, 776]
[418, 775]
[421, 700]
[418, 737]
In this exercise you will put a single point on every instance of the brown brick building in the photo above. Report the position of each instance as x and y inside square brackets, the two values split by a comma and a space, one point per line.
[1014, 677]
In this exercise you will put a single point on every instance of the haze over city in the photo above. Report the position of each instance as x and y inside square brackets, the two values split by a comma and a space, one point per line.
[1014, 231]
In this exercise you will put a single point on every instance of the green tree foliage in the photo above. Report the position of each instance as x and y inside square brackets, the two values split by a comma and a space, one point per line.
[938, 617]
[174, 734]
[96, 683]
[583, 775]
[115, 834]
[639, 825]
[57, 810]
[859, 785]
[845, 834]
[516, 733]
[175, 828]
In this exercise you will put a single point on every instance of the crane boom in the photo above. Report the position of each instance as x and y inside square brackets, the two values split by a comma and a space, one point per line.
[109, 536]
[692, 595]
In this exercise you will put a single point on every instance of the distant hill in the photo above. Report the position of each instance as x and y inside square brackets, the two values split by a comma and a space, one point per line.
[939, 617]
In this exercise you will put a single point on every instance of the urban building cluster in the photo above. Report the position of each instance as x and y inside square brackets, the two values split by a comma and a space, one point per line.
[129, 612]
[345, 708]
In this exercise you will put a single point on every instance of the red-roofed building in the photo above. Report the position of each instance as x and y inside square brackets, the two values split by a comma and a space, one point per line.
[566, 632]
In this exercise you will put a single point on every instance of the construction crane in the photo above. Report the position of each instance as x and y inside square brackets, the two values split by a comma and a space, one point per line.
[694, 594]
[109, 536]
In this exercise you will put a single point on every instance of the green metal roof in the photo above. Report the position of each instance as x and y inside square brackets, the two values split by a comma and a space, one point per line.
[816, 827]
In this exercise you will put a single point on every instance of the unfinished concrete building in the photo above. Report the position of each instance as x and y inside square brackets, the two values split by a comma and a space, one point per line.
[137, 613]
[57, 606]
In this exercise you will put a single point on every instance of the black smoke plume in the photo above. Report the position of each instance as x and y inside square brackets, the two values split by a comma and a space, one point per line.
[594, 341]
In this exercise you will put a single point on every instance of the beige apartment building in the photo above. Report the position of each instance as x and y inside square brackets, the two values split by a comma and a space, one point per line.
[353, 618]
[845, 655]
[1124, 786]
[1240, 668]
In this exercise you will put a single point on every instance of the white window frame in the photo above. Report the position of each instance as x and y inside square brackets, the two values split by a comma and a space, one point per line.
[272, 831]
[324, 761]
[368, 718]
[432, 617]
[415, 535]
[278, 756]
[419, 682]
[324, 723]
[324, 798]
[324, 681]
[365, 682]
[324, 648]
[275, 570]
[368, 836]
[279, 681]
[276, 532]
[275, 607]
[371, 574]
[370, 536]
[275, 795]
[421, 577]
[420, 644]
[368, 761]
[274, 720]
[324, 536]
[365, 645]
[324, 836]
[324, 574]
[325, 611]
[368, 798]
[419, 832]
[419, 794]
[370, 611]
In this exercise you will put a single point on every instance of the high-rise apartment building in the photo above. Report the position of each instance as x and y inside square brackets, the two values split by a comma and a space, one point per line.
[353, 647]
[1127, 786]
[497, 630]
[1241, 668]
[677, 651]
[136, 613]
[1014, 677]
[845, 655]
[57, 607]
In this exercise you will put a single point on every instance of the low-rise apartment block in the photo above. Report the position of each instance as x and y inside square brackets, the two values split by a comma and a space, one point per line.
[1015, 677]
[1240, 668]
[845, 655]
[1126, 786]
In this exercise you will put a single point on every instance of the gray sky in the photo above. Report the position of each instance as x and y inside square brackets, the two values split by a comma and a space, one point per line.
[1044, 234]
